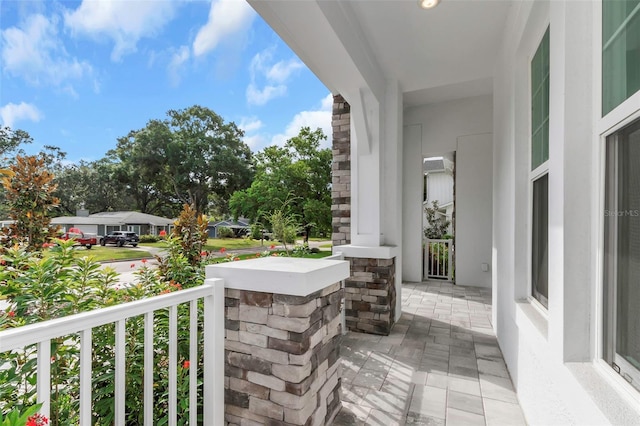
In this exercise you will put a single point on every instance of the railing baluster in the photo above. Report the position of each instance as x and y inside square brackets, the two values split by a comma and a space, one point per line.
[438, 259]
[173, 360]
[44, 377]
[450, 260]
[193, 360]
[41, 334]
[148, 369]
[120, 388]
[86, 342]
[214, 354]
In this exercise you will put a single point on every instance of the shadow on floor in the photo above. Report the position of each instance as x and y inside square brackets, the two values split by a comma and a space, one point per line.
[440, 365]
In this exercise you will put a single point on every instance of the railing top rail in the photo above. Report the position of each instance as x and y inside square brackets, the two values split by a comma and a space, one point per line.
[439, 240]
[29, 334]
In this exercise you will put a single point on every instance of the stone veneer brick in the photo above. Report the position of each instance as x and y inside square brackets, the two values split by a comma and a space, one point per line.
[341, 172]
[370, 295]
[281, 357]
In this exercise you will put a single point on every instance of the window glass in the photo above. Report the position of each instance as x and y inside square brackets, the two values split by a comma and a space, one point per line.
[622, 253]
[540, 240]
[620, 51]
[540, 103]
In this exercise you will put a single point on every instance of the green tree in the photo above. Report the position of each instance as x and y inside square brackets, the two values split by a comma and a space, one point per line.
[92, 184]
[192, 157]
[438, 224]
[29, 194]
[297, 176]
[10, 142]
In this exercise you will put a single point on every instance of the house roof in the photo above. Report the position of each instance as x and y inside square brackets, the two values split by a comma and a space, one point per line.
[113, 218]
[85, 220]
[134, 218]
[240, 223]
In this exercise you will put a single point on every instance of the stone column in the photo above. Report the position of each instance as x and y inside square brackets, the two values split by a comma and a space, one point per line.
[370, 298]
[282, 343]
[341, 172]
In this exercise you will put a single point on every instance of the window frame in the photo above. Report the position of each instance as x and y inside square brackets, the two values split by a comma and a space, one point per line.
[606, 351]
[601, 48]
[606, 125]
[536, 173]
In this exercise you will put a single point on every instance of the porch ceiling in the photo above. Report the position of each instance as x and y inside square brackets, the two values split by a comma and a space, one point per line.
[440, 54]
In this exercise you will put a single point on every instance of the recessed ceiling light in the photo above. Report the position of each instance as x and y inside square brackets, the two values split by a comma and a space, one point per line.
[428, 4]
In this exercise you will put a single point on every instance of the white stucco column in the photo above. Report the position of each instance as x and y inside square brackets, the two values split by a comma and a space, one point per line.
[366, 169]
[376, 178]
[376, 166]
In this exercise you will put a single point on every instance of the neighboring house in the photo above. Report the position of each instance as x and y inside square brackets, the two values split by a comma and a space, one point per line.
[104, 223]
[239, 227]
[438, 183]
[540, 102]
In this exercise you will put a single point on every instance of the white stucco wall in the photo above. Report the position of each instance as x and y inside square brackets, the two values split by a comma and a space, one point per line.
[440, 188]
[441, 125]
[552, 353]
[412, 197]
[474, 169]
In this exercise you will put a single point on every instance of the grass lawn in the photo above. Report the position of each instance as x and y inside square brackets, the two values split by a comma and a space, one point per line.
[105, 254]
[215, 244]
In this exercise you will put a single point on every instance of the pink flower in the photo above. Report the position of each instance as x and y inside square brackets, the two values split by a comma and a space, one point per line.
[203, 253]
[222, 250]
[133, 265]
[163, 233]
[186, 364]
[272, 246]
[144, 261]
[11, 314]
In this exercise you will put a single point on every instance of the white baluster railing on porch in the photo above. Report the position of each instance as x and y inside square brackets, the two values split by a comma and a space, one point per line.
[212, 293]
[438, 259]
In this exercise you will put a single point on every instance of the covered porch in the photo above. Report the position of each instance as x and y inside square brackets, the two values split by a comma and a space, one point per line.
[440, 365]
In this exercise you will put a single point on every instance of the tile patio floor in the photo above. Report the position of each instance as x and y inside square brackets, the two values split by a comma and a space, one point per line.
[441, 365]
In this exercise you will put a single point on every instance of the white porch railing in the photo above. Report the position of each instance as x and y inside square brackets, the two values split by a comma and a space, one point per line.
[438, 259]
[212, 293]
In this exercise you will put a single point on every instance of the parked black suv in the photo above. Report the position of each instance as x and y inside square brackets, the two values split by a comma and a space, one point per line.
[120, 238]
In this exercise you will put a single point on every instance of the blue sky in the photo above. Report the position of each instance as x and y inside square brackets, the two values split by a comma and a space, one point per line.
[80, 74]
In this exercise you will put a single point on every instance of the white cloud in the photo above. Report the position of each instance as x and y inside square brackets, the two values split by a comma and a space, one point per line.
[124, 22]
[257, 96]
[176, 65]
[34, 52]
[273, 76]
[226, 18]
[250, 124]
[281, 71]
[12, 113]
[313, 119]
[256, 142]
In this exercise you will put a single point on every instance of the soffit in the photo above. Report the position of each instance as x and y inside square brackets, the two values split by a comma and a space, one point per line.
[436, 55]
